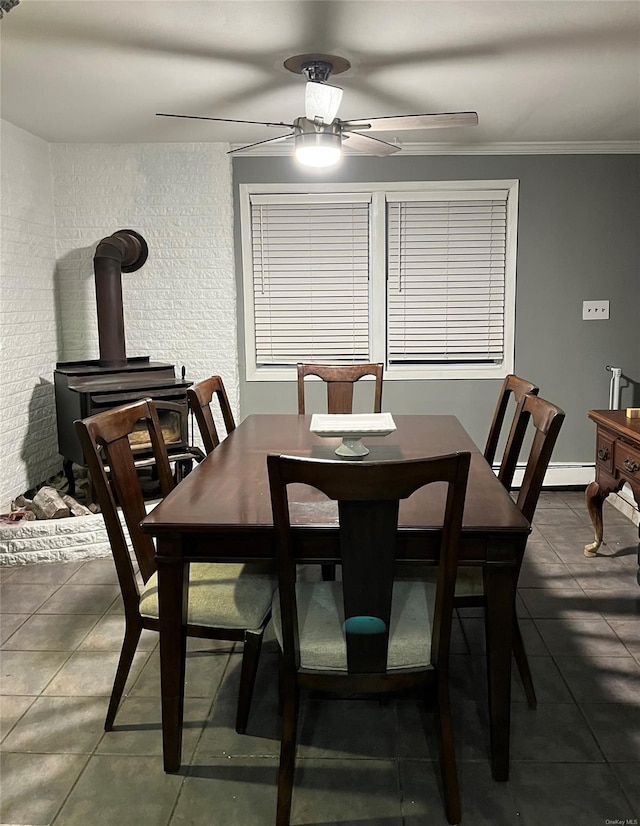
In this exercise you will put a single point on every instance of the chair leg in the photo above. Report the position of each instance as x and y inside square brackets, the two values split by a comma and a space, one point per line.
[447, 755]
[182, 469]
[281, 678]
[290, 695]
[129, 644]
[250, 660]
[522, 662]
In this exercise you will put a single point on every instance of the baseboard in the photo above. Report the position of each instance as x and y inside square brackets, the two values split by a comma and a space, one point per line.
[562, 475]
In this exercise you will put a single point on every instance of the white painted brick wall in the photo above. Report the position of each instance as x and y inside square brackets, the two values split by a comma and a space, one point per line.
[58, 201]
[180, 307]
[28, 314]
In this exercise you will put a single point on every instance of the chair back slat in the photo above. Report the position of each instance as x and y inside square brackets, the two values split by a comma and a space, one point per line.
[340, 381]
[368, 497]
[368, 531]
[200, 396]
[339, 396]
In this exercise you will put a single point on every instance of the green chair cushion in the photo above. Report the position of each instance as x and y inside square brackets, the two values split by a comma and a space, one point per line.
[469, 580]
[220, 596]
[322, 637]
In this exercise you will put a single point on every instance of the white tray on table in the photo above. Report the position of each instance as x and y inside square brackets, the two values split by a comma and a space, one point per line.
[352, 428]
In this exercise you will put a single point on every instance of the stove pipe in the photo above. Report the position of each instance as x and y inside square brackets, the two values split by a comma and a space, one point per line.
[124, 251]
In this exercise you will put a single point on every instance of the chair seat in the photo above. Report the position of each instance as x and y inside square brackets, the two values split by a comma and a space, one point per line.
[321, 618]
[469, 580]
[220, 596]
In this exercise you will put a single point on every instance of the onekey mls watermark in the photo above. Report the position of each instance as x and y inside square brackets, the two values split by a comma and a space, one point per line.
[621, 821]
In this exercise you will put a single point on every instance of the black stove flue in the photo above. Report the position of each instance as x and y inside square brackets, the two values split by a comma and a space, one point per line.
[83, 388]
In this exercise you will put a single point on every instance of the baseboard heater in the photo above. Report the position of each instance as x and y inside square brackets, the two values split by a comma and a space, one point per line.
[561, 475]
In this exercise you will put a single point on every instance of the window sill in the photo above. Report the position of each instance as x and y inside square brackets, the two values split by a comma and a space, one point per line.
[397, 373]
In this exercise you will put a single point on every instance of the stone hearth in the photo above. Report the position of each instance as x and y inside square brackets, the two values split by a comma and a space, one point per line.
[53, 540]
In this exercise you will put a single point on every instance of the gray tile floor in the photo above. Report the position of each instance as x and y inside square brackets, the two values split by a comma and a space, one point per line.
[575, 760]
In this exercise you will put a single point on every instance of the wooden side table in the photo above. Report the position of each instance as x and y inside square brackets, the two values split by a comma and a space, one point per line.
[617, 462]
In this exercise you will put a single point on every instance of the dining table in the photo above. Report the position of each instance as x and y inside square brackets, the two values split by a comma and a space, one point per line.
[221, 511]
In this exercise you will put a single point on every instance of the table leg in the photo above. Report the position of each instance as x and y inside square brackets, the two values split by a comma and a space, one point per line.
[500, 583]
[173, 584]
[595, 495]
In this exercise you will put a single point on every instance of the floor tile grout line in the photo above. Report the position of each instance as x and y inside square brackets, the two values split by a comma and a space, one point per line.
[624, 793]
[55, 591]
[188, 767]
[70, 654]
[99, 617]
[53, 820]
[94, 751]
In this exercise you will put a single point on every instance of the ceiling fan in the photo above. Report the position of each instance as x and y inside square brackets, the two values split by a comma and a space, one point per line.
[319, 136]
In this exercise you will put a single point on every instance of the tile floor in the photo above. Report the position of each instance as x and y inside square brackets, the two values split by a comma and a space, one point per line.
[575, 760]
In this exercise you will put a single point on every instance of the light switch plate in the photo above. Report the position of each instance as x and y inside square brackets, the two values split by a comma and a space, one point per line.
[595, 310]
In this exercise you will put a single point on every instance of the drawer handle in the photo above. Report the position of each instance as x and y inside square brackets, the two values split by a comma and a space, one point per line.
[630, 465]
[603, 454]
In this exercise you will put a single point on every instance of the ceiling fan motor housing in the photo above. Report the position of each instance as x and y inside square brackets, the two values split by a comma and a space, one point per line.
[309, 133]
[317, 71]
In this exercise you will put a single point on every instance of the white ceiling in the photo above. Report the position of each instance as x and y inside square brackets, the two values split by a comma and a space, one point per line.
[534, 70]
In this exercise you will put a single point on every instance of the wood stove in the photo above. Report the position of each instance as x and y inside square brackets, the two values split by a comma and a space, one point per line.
[83, 388]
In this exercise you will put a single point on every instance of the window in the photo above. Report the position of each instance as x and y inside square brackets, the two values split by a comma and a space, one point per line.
[420, 276]
[310, 279]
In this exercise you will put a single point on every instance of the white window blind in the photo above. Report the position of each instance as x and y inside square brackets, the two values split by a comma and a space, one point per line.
[310, 265]
[446, 277]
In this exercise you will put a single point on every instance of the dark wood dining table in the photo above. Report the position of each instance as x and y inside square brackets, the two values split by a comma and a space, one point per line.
[221, 511]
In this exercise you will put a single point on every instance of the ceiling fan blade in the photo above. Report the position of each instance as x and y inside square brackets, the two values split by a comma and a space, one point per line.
[321, 101]
[260, 143]
[398, 122]
[365, 143]
[226, 120]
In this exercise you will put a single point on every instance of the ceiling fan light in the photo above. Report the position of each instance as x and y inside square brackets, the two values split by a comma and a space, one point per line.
[318, 149]
[318, 156]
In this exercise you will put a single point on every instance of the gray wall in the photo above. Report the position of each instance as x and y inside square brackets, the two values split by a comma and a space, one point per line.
[578, 239]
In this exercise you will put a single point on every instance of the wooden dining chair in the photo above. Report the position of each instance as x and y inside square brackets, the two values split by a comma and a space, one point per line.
[513, 389]
[200, 396]
[546, 420]
[226, 601]
[366, 633]
[340, 380]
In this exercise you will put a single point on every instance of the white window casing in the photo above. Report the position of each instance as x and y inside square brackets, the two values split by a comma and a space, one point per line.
[419, 275]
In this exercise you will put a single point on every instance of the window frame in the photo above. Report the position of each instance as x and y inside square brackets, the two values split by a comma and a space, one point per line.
[378, 275]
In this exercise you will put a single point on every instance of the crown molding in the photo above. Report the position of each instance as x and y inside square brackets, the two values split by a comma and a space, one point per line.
[530, 148]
